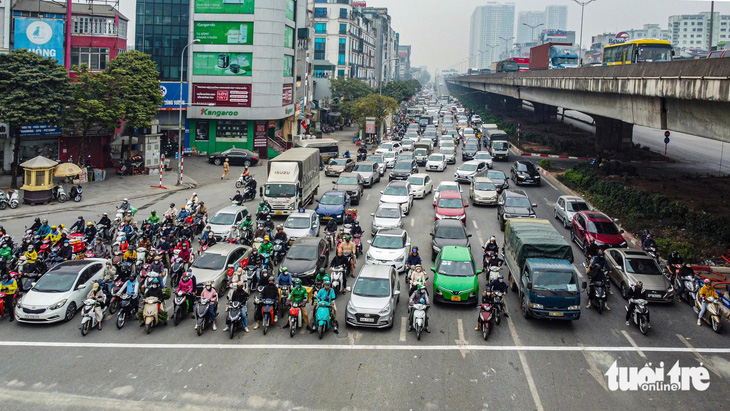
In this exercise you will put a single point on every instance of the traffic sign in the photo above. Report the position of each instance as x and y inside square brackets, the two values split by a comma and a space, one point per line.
[666, 133]
[666, 140]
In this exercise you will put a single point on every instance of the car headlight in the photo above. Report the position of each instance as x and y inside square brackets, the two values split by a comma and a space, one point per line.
[385, 310]
[574, 307]
[310, 272]
[520, 176]
[506, 216]
[351, 308]
[537, 177]
[436, 249]
[391, 174]
[339, 216]
[536, 306]
[622, 244]
[598, 243]
[57, 305]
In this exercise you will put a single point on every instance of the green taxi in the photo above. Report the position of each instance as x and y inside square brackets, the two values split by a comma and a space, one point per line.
[455, 276]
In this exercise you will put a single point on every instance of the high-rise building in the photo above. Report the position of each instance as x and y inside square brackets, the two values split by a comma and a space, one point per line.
[491, 33]
[404, 61]
[649, 31]
[693, 30]
[161, 31]
[386, 44]
[529, 25]
[556, 17]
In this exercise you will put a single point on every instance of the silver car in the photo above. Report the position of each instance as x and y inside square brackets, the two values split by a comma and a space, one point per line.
[304, 224]
[389, 247]
[374, 297]
[398, 192]
[380, 161]
[387, 215]
[470, 170]
[225, 221]
[214, 262]
[389, 158]
[567, 206]
[369, 172]
[484, 156]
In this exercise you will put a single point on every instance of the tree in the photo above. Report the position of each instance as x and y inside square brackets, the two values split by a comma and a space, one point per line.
[345, 91]
[376, 106]
[96, 104]
[33, 89]
[139, 89]
[399, 90]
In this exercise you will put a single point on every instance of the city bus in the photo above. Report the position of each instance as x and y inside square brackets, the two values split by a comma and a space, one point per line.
[637, 51]
[523, 63]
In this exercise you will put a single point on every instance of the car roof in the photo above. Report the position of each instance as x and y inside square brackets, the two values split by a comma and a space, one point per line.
[367, 163]
[80, 263]
[525, 162]
[306, 213]
[456, 253]
[571, 198]
[307, 241]
[514, 193]
[398, 183]
[231, 209]
[475, 162]
[376, 271]
[389, 205]
[449, 222]
[482, 180]
[419, 175]
[338, 193]
[392, 232]
[448, 183]
[450, 194]
[595, 216]
[356, 175]
[223, 248]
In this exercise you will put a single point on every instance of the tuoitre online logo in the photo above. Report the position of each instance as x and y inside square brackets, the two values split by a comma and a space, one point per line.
[647, 378]
[217, 113]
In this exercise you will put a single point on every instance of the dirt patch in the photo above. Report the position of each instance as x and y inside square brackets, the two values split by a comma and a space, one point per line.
[708, 194]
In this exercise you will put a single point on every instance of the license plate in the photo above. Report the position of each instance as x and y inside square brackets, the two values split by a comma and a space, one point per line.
[32, 317]
[556, 314]
[455, 298]
[368, 320]
[653, 295]
[326, 218]
[278, 212]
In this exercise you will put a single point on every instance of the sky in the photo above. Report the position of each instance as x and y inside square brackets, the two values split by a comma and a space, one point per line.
[438, 30]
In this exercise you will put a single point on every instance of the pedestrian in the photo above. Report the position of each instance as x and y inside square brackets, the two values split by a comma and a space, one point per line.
[226, 170]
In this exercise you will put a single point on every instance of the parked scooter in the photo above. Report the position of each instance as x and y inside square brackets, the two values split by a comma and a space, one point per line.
[76, 192]
[234, 317]
[88, 315]
[150, 313]
[640, 316]
[486, 319]
[712, 314]
[59, 193]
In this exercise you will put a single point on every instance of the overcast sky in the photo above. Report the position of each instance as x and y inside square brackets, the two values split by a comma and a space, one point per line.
[438, 30]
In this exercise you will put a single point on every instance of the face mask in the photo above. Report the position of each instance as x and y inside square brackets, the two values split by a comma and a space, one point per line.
[500, 280]
[207, 288]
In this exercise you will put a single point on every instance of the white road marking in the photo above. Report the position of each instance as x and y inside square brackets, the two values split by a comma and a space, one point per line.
[474, 222]
[594, 371]
[633, 343]
[551, 185]
[461, 342]
[525, 366]
[704, 360]
[413, 222]
[403, 327]
[548, 202]
[367, 197]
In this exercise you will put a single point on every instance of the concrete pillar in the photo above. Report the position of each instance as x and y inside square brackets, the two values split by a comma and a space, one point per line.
[544, 113]
[612, 134]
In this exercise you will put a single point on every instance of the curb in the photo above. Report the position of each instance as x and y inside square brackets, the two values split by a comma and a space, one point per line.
[554, 156]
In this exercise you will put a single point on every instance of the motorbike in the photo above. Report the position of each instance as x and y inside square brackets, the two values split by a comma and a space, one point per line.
[598, 297]
[267, 312]
[250, 276]
[330, 238]
[279, 251]
[141, 254]
[691, 288]
[336, 278]
[76, 192]
[640, 316]
[263, 280]
[176, 272]
[419, 319]
[150, 313]
[4, 201]
[88, 315]
[246, 237]
[126, 310]
[284, 292]
[59, 193]
[249, 193]
[323, 321]
[202, 316]
[235, 317]
[295, 319]
[486, 319]
[183, 305]
[712, 314]
[241, 180]
[114, 299]
[357, 239]
[498, 306]
[14, 199]
[361, 156]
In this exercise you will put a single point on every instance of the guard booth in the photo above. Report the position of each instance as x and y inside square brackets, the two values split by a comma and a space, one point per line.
[38, 180]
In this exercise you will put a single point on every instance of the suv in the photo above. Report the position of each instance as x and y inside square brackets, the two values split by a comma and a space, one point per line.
[592, 226]
[353, 184]
[471, 146]
[455, 276]
[524, 172]
[403, 169]
[514, 204]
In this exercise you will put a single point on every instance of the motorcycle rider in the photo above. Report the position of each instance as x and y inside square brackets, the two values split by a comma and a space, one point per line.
[270, 292]
[491, 245]
[362, 152]
[125, 205]
[707, 291]
[636, 292]
[599, 261]
[487, 298]
[66, 252]
[685, 271]
[97, 294]
[341, 260]
[255, 260]
[349, 219]
[356, 230]
[44, 229]
[194, 199]
[186, 285]
[326, 294]
[36, 225]
[90, 233]
[418, 276]
[30, 255]
[182, 215]
[260, 232]
[644, 235]
[281, 235]
[673, 261]
[595, 274]
[266, 247]
[144, 242]
[206, 234]
[79, 225]
[239, 295]
[54, 235]
[202, 210]
[247, 223]
[131, 288]
[269, 225]
[210, 293]
[348, 246]
[284, 279]
[172, 211]
[128, 218]
[154, 219]
[238, 198]
[9, 287]
[251, 186]
[110, 273]
[499, 285]
[262, 211]
[154, 291]
[648, 242]
[164, 248]
[157, 265]
[321, 276]
[300, 296]
[420, 296]
[413, 259]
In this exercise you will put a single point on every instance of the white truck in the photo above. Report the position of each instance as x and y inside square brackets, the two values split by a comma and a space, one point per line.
[293, 180]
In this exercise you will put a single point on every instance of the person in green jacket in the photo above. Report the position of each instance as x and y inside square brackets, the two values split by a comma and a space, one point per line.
[321, 276]
[266, 247]
[6, 251]
[299, 296]
[154, 218]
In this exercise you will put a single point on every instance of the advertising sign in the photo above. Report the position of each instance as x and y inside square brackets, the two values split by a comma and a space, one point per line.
[224, 6]
[288, 37]
[227, 95]
[287, 95]
[40, 36]
[290, 9]
[260, 134]
[171, 96]
[288, 66]
[224, 32]
[369, 125]
[222, 64]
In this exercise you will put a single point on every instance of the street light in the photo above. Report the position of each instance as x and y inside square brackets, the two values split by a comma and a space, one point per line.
[506, 49]
[580, 40]
[532, 36]
[179, 117]
[491, 49]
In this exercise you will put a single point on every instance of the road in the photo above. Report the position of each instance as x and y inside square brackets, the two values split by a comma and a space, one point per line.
[526, 364]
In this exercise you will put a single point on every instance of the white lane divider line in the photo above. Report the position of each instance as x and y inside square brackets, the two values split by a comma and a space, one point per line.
[413, 222]
[551, 185]
[633, 343]
[548, 202]
[593, 370]
[461, 342]
[474, 223]
[403, 327]
[526, 366]
[702, 359]
[367, 197]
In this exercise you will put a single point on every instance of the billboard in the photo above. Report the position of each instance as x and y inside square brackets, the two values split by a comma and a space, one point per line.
[288, 66]
[171, 95]
[222, 64]
[288, 37]
[227, 95]
[40, 36]
[224, 6]
[224, 32]
[287, 94]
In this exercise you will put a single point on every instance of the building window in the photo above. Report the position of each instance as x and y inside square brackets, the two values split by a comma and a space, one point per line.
[96, 58]
[320, 28]
[98, 26]
[202, 130]
[343, 13]
[341, 59]
[231, 129]
[343, 45]
[341, 73]
[320, 12]
[343, 28]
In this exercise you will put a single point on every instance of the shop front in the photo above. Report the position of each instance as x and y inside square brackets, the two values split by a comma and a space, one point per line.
[211, 136]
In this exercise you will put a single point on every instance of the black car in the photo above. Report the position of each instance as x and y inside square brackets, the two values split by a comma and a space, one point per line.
[353, 184]
[524, 172]
[305, 257]
[447, 232]
[499, 178]
[514, 204]
[470, 149]
[235, 156]
[403, 169]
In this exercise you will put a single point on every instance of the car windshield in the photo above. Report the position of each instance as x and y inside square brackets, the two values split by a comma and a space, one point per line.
[395, 191]
[521, 167]
[57, 281]
[407, 143]
[376, 159]
[420, 152]
[210, 261]
[484, 186]
[436, 157]
[446, 144]
[372, 287]
[386, 146]
[496, 175]
[499, 145]
[447, 150]
[444, 187]
[348, 181]
[521, 202]
[297, 222]
[602, 227]
[643, 266]
[468, 167]
[338, 162]
[451, 232]
[416, 181]
[389, 154]
[222, 219]
[280, 190]
[455, 268]
[387, 212]
[390, 242]
[363, 168]
[577, 206]
[302, 252]
[403, 166]
[450, 203]
[471, 147]
[482, 156]
[430, 133]
[330, 199]
[555, 280]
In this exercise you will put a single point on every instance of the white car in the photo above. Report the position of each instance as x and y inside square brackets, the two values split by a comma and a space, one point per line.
[421, 185]
[476, 118]
[567, 206]
[444, 186]
[389, 247]
[436, 162]
[407, 144]
[446, 142]
[379, 160]
[59, 293]
[304, 224]
[469, 170]
[389, 158]
[226, 220]
[483, 191]
[398, 192]
[484, 156]
[389, 146]
[449, 153]
[387, 215]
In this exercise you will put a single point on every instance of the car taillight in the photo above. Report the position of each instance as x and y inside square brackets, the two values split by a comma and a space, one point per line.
[255, 158]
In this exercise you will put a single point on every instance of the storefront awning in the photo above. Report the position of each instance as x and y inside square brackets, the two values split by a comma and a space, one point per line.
[324, 65]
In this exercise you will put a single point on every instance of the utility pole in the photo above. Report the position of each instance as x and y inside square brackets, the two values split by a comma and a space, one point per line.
[532, 36]
[580, 40]
[506, 45]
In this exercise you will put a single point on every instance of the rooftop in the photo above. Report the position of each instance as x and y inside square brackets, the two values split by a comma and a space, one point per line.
[54, 7]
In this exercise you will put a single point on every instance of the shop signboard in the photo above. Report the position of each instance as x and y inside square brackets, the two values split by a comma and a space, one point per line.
[369, 125]
[224, 32]
[225, 6]
[40, 36]
[38, 129]
[287, 95]
[171, 96]
[226, 95]
[222, 64]
[260, 134]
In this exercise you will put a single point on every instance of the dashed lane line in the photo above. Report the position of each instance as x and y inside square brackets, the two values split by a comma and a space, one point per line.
[525, 366]
[704, 360]
[633, 343]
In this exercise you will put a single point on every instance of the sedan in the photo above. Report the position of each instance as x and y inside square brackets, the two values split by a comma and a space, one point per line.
[58, 294]
[403, 169]
[484, 156]
[305, 257]
[225, 220]
[398, 192]
[483, 191]
[471, 146]
[214, 262]
[626, 267]
[235, 156]
[337, 166]
[389, 247]
[567, 206]
[436, 162]
[499, 179]
[374, 297]
[447, 232]
[449, 153]
[304, 224]
[444, 186]
[524, 172]
[332, 206]
[470, 170]
[407, 144]
[450, 206]
[369, 171]
[421, 185]
[387, 215]
[380, 161]
[514, 204]
[352, 183]
[389, 158]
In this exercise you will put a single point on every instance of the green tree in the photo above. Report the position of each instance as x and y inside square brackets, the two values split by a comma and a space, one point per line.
[33, 89]
[345, 92]
[376, 106]
[139, 89]
[95, 106]
[399, 90]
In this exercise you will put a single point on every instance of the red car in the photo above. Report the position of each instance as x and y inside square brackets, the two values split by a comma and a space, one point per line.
[592, 226]
[450, 205]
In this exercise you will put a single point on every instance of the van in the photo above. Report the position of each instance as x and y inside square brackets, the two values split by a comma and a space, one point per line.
[327, 147]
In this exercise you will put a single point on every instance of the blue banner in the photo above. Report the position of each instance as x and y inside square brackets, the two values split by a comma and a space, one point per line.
[40, 36]
[171, 95]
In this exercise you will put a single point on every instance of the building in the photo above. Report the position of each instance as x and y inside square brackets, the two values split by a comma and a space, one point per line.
[404, 61]
[529, 23]
[386, 44]
[649, 31]
[556, 36]
[242, 80]
[161, 31]
[5, 14]
[491, 33]
[594, 54]
[556, 17]
[693, 30]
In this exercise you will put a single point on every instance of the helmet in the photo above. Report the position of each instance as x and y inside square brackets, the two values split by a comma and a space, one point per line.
[126, 200]
[262, 204]
[208, 284]
[298, 281]
[254, 251]
[37, 220]
[105, 214]
[648, 235]
[339, 251]
[356, 222]
[322, 271]
[280, 227]
[675, 254]
[155, 281]
[182, 207]
[687, 264]
[421, 288]
[327, 282]
[707, 281]
[248, 217]
[45, 221]
[347, 237]
[639, 284]
[53, 227]
[185, 277]
[239, 284]
[283, 269]
[492, 239]
[266, 238]
[133, 275]
[268, 218]
[93, 287]
[414, 250]
[81, 217]
[153, 212]
[600, 253]
[89, 223]
[501, 277]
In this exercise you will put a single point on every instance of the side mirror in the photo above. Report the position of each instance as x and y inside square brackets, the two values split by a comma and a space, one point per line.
[433, 269]
[584, 285]
[372, 214]
[381, 192]
[317, 201]
[621, 231]
[529, 286]
[370, 241]
[231, 265]
[334, 182]
[396, 292]
[468, 236]
[534, 205]
[466, 205]
[433, 235]
[349, 289]
[479, 272]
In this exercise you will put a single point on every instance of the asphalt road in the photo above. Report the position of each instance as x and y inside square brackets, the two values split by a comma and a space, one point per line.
[525, 364]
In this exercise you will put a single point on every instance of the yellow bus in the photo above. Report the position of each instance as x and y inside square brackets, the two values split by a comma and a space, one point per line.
[637, 51]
